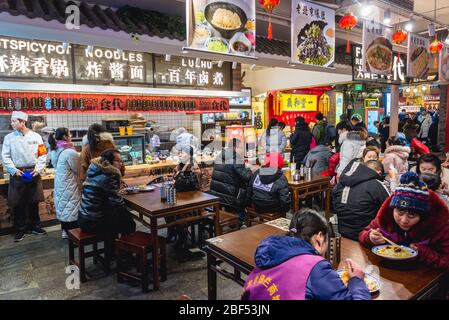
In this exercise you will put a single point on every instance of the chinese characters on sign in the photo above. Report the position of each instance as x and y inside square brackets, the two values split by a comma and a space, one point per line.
[298, 102]
[180, 71]
[30, 60]
[112, 66]
[23, 59]
[308, 9]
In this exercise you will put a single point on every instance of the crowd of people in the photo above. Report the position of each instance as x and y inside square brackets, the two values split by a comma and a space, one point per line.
[376, 192]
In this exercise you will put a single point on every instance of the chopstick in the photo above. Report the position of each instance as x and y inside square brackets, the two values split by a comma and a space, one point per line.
[388, 240]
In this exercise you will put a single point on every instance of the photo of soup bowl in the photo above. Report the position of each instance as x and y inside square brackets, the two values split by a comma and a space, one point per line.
[379, 56]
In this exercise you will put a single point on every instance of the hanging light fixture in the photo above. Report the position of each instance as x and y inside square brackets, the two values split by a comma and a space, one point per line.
[424, 88]
[367, 8]
[387, 16]
[348, 22]
[410, 24]
[431, 29]
[268, 6]
[407, 90]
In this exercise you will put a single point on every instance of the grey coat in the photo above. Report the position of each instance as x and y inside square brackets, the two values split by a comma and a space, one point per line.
[321, 154]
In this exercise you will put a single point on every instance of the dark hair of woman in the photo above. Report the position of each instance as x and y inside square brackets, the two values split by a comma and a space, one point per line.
[433, 181]
[429, 158]
[281, 125]
[307, 223]
[108, 155]
[93, 135]
[59, 134]
[392, 141]
[273, 122]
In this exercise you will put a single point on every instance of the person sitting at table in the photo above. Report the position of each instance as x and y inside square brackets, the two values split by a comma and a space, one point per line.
[230, 179]
[320, 157]
[358, 196]
[430, 163]
[268, 188]
[103, 210]
[413, 216]
[293, 267]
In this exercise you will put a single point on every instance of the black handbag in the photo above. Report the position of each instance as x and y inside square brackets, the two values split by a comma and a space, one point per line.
[186, 180]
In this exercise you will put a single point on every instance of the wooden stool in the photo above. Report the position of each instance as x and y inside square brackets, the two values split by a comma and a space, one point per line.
[79, 239]
[253, 216]
[140, 243]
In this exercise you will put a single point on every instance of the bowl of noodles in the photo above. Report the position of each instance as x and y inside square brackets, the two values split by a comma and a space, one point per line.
[226, 18]
[379, 56]
[391, 252]
[371, 282]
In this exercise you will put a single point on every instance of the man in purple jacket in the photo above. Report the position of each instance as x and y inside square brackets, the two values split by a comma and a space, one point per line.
[293, 268]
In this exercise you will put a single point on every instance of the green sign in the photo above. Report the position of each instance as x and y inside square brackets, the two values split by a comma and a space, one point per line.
[358, 87]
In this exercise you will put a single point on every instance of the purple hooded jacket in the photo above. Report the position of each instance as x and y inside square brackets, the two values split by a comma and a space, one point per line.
[289, 268]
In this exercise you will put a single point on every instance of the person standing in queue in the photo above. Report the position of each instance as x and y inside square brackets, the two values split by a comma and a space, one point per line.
[24, 156]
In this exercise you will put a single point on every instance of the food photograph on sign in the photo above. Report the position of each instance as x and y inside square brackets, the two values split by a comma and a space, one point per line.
[444, 65]
[313, 34]
[227, 27]
[418, 57]
[378, 57]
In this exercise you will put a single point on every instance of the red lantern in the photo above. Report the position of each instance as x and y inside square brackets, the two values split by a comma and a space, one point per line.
[268, 6]
[348, 22]
[435, 48]
[398, 38]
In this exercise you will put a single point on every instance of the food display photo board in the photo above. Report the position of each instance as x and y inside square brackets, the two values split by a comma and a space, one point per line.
[224, 27]
[313, 34]
[418, 57]
[377, 48]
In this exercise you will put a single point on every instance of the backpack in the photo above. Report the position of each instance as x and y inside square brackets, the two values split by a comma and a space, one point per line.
[330, 134]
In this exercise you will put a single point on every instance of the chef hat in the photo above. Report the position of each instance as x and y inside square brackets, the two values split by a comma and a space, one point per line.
[19, 115]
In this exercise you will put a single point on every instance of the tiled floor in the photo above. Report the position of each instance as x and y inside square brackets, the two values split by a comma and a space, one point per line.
[35, 269]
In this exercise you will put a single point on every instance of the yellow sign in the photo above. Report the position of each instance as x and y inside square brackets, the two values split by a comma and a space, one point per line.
[325, 104]
[298, 102]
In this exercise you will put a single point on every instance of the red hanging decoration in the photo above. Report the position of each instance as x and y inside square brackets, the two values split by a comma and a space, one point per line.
[268, 6]
[435, 47]
[348, 22]
[398, 38]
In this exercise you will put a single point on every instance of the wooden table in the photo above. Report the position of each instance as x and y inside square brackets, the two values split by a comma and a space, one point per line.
[238, 248]
[149, 205]
[305, 188]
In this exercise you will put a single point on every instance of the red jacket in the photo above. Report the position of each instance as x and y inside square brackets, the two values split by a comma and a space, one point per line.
[334, 160]
[430, 234]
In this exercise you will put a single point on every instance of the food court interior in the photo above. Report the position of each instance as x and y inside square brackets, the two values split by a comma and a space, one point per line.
[155, 73]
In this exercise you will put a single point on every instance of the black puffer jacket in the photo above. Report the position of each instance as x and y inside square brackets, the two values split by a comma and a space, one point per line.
[300, 142]
[228, 177]
[357, 198]
[268, 191]
[101, 202]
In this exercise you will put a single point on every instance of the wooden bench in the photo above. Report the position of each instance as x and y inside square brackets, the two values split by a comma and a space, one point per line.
[139, 243]
[79, 239]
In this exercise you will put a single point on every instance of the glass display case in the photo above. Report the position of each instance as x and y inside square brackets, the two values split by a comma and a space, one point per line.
[132, 148]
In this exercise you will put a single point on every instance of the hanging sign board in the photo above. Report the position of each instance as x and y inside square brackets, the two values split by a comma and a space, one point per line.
[418, 57]
[226, 27]
[313, 34]
[377, 48]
